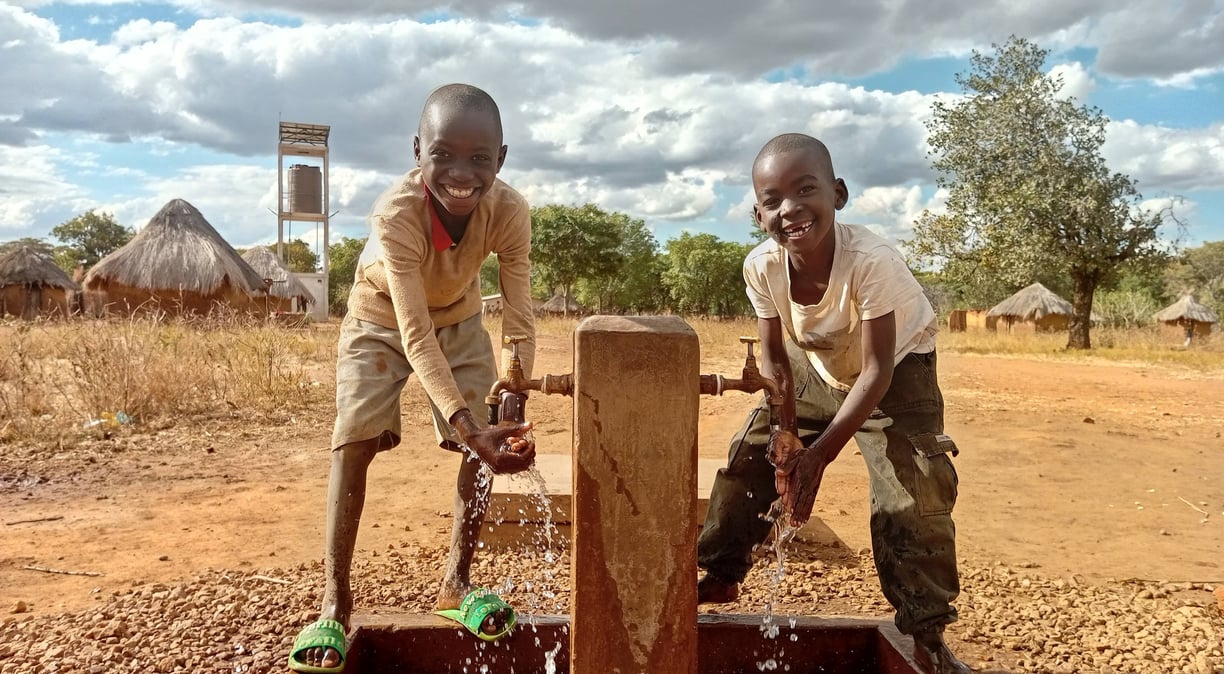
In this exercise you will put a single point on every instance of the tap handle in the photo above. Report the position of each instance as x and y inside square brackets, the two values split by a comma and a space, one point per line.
[744, 339]
[513, 341]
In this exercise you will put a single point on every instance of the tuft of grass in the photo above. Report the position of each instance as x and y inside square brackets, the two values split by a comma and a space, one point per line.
[55, 378]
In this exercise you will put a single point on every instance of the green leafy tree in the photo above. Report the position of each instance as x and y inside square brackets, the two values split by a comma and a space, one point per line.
[88, 238]
[1029, 193]
[490, 282]
[342, 258]
[1198, 271]
[299, 258]
[637, 285]
[704, 275]
[572, 243]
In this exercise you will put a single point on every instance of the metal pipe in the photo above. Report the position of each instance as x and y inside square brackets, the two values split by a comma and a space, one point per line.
[751, 380]
[516, 381]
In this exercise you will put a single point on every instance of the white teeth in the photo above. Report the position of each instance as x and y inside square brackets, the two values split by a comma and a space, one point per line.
[460, 194]
[797, 230]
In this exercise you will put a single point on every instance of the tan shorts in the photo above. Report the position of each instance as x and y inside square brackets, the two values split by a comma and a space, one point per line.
[371, 370]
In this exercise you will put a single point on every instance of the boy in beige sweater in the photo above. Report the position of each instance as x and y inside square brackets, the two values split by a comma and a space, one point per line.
[415, 307]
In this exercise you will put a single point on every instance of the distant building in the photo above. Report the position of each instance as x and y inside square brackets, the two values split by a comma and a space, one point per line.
[177, 264]
[32, 286]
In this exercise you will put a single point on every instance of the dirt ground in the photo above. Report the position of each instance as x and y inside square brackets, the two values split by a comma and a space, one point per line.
[1096, 469]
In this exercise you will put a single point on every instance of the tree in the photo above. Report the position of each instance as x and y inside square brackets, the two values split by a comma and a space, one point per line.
[637, 285]
[490, 279]
[570, 243]
[89, 237]
[299, 258]
[704, 275]
[1029, 193]
[342, 256]
[1199, 271]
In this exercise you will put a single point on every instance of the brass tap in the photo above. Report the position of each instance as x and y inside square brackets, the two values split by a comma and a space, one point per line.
[751, 380]
[516, 382]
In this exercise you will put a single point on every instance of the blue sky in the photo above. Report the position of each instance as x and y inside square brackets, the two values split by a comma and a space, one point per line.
[654, 110]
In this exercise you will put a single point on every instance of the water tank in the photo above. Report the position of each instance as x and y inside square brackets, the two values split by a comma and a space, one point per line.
[305, 189]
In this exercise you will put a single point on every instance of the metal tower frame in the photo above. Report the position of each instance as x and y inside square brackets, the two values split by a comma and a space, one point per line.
[302, 140]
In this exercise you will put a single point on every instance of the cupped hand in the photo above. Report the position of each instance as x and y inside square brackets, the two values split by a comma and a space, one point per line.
[783, 452]
[802, 485]
[506, 448]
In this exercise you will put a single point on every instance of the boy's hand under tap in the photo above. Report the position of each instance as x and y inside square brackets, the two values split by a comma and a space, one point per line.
[783, 452]
[803, 483]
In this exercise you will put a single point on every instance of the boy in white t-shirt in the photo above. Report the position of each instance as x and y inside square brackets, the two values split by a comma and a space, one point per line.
[859, 363]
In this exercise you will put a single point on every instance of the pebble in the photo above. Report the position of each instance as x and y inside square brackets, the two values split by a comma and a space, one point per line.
[1011, 618]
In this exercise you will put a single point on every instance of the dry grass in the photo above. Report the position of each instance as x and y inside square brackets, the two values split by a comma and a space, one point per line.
[56, 377]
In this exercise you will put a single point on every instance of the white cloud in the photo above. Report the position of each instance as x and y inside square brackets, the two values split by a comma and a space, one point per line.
[1077, 81]
[34, 190]
[892, 210]
[1163, 158]
[607, 120]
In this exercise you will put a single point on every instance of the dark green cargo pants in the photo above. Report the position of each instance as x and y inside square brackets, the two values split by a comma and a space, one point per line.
[913, 489]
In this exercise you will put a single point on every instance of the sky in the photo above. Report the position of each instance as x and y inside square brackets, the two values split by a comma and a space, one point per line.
[655, 109]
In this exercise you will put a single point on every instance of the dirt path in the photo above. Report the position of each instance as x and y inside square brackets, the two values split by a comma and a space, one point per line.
[1085, 468]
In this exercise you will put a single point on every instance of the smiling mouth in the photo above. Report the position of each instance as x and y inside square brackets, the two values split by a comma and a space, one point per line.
[459, 193]
[797, 230]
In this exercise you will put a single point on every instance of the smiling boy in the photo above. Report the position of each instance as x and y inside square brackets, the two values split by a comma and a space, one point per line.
[858, 361]
[415, 307]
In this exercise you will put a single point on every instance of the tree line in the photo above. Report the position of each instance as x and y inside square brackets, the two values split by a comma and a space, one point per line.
[1029, 198]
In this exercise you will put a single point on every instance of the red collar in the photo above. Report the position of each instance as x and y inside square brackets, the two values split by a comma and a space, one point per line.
[441, 238]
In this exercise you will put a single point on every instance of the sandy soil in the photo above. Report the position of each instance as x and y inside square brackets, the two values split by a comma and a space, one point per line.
[1099, 469]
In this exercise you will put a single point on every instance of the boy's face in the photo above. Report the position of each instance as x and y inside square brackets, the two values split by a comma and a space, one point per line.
[797, 198]
[459, 156]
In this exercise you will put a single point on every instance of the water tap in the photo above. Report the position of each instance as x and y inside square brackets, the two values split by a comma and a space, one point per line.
[515, 385]
[751, 380]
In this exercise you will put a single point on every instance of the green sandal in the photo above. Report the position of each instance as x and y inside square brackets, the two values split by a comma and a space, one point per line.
[476, 606]
[319, 634]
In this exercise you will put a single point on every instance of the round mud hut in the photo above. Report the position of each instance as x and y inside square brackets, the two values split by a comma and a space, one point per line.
[1035, 308]
[31, 286]
[178, 264]
[558, 306]
[285, 292]
[1187, 320]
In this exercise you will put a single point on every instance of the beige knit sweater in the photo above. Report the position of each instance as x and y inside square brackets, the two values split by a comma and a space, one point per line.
[403, 282]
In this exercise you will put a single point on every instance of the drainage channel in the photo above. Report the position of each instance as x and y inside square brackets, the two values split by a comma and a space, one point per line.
[400, 643]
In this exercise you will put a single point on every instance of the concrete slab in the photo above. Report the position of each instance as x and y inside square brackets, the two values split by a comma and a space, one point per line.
[514, 506]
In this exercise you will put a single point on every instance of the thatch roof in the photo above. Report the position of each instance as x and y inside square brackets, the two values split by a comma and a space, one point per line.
[1186, 309]
[557, 305]
[1031, 304]
[178, 250]
[25, 266]
[268, 265]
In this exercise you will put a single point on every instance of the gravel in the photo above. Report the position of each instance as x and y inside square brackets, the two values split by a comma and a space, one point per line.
[1012, 619]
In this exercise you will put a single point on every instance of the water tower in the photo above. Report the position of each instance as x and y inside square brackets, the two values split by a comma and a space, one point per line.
[306, 200]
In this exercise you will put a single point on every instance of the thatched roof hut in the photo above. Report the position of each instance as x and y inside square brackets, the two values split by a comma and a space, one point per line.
[31, 285]
[1035, 306]
[285, 288]
[178, 264]
[1187, 318]
[558, 305]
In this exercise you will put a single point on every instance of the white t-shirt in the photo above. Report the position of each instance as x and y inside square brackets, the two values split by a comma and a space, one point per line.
[869, 279]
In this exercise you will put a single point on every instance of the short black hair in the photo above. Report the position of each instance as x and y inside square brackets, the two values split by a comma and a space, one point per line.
[794, 142]
[451, 99]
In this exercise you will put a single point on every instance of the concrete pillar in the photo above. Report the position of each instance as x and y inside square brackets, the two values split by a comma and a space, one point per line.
[634, 570]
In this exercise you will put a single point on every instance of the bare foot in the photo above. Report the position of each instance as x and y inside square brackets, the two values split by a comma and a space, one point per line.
[933, 654]
[711, 590]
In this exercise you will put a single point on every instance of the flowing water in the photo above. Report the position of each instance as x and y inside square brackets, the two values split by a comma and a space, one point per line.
[783, 533]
